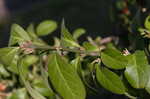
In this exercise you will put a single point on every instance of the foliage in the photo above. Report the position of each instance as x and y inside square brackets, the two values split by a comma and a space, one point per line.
[70, 69]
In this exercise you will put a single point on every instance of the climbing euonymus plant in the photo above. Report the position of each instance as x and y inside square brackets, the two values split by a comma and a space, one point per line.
[68, 69]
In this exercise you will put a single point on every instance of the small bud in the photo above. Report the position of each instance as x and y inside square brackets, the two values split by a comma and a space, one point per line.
[126, 52]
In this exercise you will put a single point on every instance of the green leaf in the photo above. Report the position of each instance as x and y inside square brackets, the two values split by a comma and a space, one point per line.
[19, 94]
[76, 63]
[137, 70]
[18, 34]
[30, 59]
[3, 71]
[31, 31]
[32, 34]
[44, 75]
[78, 32]
[110, 81]
[89, 47]
[67, 39]
[147, 23]
[41, 87]
[147, 87]
[65, 79]
[46, 27]
[114, 59]
[7, 55]
[35, 94]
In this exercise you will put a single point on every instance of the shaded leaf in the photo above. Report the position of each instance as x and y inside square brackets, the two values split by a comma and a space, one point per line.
[114, 59]
[63, 76]
[110, 81]
[137, 70]
[18, 34]
[46, 27]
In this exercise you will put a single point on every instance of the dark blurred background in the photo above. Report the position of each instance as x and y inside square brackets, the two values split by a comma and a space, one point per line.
[96, 16]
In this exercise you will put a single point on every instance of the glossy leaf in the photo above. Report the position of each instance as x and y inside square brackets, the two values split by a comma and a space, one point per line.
[18, 34]
[147, 23]
[110, 81]
[46, 27]
[67, 39]
[65, 79]
[137, 70]
[114, 59]
[78, 32]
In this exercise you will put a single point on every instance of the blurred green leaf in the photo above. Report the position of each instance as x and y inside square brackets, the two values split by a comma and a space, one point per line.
[18, 35]
[41, 87]
[64, 78]
[78, 32]
[110, 80]
[19, 94]
[30, 59]
[3, 71]
[147, 87]
[113, 58]
[67, 39]
[36, 40]
[147, 23]
[76, 63]
[22, 73]
[89, 47]
[44, 75]
[7, 55]
[137, 70]
[46, 27]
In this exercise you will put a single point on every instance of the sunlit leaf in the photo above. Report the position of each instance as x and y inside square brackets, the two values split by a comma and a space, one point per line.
[114, 59]
[63, 76]
[35, 94]
[46, 27]
[67, 39]
[18, 34]
[76, 63]
[7, 55]
[3, 71]
[147, 87]
[137, 70]
[147, 23]
[35, 39]
[19, 94]
[110, 81]
[78, 32]
[89, 47]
